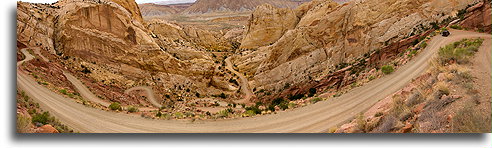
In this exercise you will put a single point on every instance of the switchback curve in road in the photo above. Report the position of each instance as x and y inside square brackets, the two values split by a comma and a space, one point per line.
[150, 94]
[244, 82]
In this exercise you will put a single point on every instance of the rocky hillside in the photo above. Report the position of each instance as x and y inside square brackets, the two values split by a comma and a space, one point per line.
[151, 9]
[328, 36]
[108, 43]
[204, 6]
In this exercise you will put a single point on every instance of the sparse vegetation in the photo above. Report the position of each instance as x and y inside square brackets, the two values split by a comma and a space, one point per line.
[42, 118]
[387, 69]
[315, 100]
[132, 109]
[458, 27]
[115, 106]
[470, 120]
[63, 91]
[459, 52]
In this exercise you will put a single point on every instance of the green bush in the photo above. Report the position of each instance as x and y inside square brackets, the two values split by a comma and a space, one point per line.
[64, 91]
[278, 101]
[224, 113]
[456, 27]
[132, 109]
[312, 92]
[178, 115]
[371, 78]
[42, 118]
[315, 100]
[255, 109]
[115, 106]
[387, 69]
[296, 97]
[249, 113]
[423, 45]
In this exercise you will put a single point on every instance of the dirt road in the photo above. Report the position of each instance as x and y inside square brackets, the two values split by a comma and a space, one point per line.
[84, 91]
[318, 117]
[150, 94]
[244, 83]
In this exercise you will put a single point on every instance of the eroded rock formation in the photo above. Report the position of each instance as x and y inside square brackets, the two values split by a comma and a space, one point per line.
[329, 34]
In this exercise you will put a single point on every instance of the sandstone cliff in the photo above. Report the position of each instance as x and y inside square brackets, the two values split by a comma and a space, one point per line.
[329, 34]
[267, 24]
[479, 17]
[108, 42]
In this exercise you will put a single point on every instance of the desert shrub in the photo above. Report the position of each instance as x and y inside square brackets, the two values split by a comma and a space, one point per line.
[115, 106]
[132, 109]
[179, 115]
[414, 99]
[287, 85]
[371, 78]
[386, 125]
[312, 92]
[459, 51]
[423, 45]
[456, 27]
[361, 122]
[249, 113]
[63, 91]
[284, 105]
[442, 88]
[255, 109]
[42, 118]
[222, 95]
[315, 100]
[224, 113]
[23, 123]
[278, 101]
[387, 69]
[378, 114]
[296, 97]
[470, 120]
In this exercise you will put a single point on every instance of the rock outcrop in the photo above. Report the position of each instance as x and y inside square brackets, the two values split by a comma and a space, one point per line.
[479, 17]
[186, 36]
[329, 34]
[108, 43]
[267, 24]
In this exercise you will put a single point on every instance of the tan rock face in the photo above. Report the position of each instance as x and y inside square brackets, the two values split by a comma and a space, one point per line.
[479, 17]
[179, 36]
[329, 34]
[35, 25]
[109, 39]
[267, 24]
[132, 7]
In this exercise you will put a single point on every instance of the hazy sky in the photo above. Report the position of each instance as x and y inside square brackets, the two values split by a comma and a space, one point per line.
[51, 1]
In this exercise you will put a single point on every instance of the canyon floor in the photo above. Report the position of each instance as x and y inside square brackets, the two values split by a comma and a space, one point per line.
[319, 117]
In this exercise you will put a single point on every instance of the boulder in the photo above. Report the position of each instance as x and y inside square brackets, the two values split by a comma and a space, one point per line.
[46, 129]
